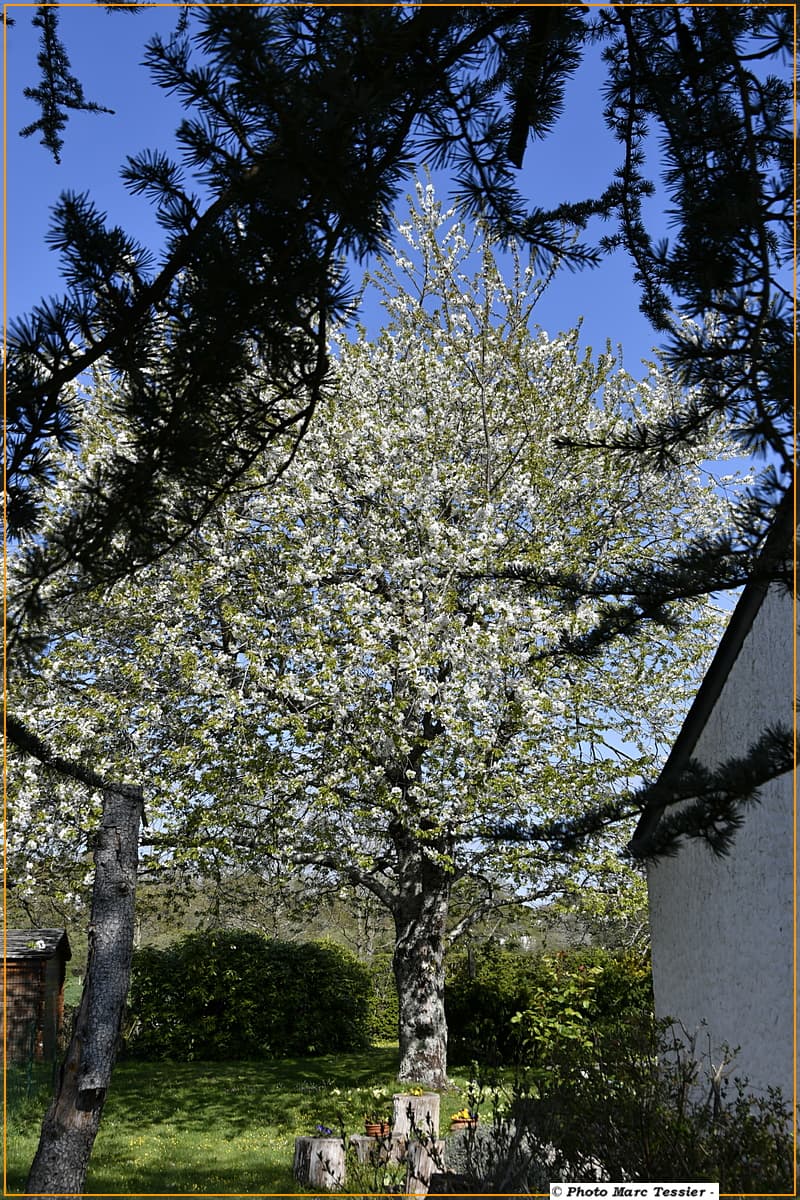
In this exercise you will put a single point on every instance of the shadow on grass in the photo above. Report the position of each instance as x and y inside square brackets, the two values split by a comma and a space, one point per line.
[239, 1095]
[207, 1128]
[272, 1180]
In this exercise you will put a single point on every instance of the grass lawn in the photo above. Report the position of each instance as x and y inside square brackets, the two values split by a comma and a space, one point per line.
[219, 1127]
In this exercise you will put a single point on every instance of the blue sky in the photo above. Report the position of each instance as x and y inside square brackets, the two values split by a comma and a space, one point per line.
[106, 51]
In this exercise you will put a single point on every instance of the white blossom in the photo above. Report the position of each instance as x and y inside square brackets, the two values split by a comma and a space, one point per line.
[351, 643]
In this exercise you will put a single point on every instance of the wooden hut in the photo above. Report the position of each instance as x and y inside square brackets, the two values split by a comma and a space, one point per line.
[33, 992]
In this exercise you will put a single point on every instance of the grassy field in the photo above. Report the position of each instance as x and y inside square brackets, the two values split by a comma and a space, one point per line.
[219, 1127]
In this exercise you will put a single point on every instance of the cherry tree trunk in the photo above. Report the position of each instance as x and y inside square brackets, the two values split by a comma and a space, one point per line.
[420, 917]
[70, 1125]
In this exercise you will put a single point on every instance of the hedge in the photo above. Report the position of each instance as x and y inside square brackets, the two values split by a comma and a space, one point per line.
[234, 994]
[385, 1020]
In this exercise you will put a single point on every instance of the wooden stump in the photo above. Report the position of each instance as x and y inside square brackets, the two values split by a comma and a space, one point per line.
[416, 1114]
[319, 1162]
[423, 1158]
[389, 1149]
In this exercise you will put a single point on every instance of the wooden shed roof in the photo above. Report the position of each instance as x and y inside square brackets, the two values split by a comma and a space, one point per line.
[37, 943]
[777, 546]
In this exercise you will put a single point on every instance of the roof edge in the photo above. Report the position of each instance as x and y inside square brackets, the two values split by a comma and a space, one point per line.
[36, 943]
[779, 537]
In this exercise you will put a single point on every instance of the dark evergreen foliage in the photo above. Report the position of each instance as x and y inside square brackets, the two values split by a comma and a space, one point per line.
[718, 798]
[59, 90]
[301, 125]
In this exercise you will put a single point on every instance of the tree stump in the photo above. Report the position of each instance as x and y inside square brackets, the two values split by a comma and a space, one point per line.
[423, 1158]
[416, 1115]
[389, 1149]
[319, 1162]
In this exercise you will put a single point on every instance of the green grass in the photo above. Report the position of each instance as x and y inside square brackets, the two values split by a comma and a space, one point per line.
[219, 1127]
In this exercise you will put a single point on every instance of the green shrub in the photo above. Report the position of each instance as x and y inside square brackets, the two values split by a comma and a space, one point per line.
[233, 994]
[574, 996]
[483, 991]
[385, 1009]
[640, 1101]
[488, 990]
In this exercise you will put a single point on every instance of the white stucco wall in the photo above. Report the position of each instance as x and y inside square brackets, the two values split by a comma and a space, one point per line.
[722, 929]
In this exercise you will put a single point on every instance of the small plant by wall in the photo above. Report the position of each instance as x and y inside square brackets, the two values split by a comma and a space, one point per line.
[639, 1099]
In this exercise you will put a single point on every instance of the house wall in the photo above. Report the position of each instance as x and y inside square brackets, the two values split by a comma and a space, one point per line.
[722, 928]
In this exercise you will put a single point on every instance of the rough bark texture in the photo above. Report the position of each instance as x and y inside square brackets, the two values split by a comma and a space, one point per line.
[71, 1123]
[320, 1162]
[423, 1159]
[378, 1150]
[420, 917]
[416, 1115]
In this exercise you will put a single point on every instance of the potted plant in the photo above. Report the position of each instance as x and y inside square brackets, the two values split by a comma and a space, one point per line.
[463, 1119]
[376, 1124]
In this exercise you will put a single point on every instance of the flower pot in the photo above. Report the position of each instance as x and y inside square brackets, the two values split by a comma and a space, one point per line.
[464, 1123]
[376, 1128]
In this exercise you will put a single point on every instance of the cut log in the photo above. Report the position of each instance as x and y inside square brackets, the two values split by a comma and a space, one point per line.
[319, 1162]
[416, 1115]
[422, 1158]
[389, 1149]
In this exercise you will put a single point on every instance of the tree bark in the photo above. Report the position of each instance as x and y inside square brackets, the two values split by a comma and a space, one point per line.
[420, 917]
[71, 1123]
[319, 1162]
[423, 1158]
[416, 1114]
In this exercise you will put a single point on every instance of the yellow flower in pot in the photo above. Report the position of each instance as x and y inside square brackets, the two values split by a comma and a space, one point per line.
[463, 1119]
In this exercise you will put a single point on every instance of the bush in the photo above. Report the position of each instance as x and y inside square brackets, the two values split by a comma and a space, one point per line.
[230, 995]
[637, 1102]
[385, 1008]
[484, 989]
[487, 991]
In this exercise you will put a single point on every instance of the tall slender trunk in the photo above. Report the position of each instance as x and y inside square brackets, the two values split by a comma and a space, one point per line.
[70, 1125]
[420, 917]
